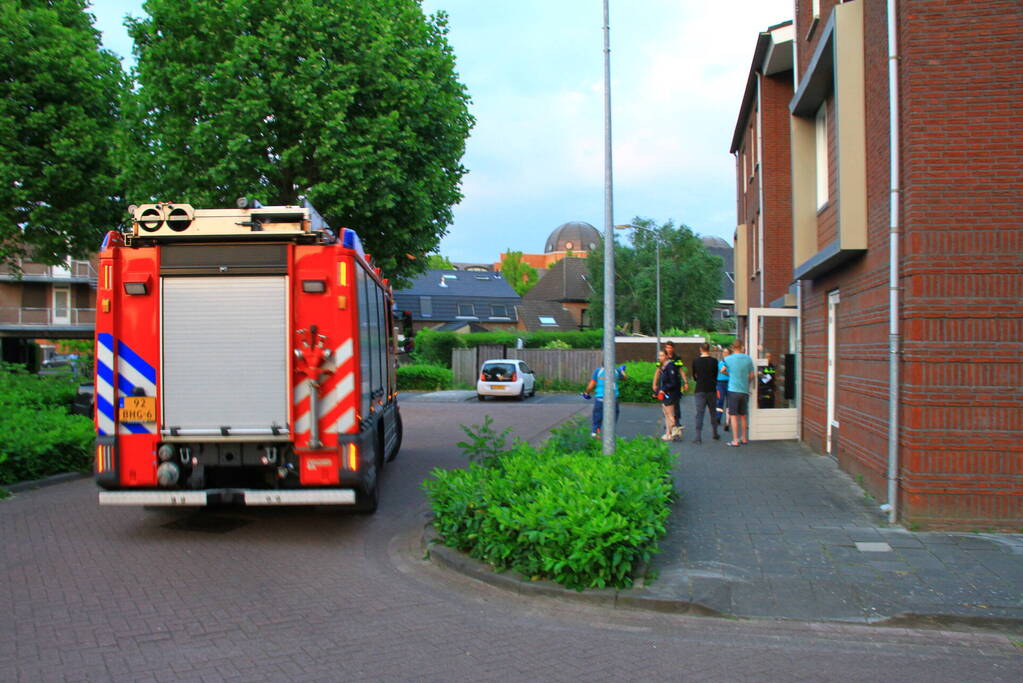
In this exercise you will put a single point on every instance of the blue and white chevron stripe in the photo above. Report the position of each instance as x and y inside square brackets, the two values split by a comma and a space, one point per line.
[105, 384]
[132, 371]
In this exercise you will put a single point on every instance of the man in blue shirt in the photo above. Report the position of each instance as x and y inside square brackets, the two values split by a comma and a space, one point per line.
[739, 368]
[597, 382]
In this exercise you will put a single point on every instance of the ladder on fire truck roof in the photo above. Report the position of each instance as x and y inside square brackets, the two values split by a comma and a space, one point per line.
[170, 222]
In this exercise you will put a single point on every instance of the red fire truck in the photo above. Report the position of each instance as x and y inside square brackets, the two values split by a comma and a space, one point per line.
[243, 356]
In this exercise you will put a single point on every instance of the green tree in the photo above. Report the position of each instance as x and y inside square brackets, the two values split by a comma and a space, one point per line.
[690, 278]
[438, 262]
[58, 109]
[519, 274]
[352, 103]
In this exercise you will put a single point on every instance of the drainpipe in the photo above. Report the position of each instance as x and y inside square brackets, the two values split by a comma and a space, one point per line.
[894, 338]
[760, 199]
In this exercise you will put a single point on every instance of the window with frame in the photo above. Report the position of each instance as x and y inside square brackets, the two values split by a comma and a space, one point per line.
[498, 311]
[466, 310]
[365, 357]
[426, 306]
[821, 149]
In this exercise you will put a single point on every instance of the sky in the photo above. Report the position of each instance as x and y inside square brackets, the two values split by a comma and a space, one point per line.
[535, 72]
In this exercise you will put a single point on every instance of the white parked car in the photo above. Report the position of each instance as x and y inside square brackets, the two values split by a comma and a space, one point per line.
[504, 377]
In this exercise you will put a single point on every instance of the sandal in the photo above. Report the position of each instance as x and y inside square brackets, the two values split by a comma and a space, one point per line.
[733, 445]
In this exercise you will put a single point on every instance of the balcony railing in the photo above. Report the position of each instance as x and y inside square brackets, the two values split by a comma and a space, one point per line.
[36, 317]
[34, 271]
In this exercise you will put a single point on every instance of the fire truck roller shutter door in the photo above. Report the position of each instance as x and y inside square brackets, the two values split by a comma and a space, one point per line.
[225, 352]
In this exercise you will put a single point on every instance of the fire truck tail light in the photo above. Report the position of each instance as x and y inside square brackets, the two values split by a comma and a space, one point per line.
[104, 458]
[314, 286]
[353, 457]
[342, 274]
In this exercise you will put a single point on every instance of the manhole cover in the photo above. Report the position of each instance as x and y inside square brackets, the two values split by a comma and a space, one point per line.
[210, 524]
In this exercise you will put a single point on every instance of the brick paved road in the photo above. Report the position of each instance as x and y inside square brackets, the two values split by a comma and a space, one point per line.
[90, 593]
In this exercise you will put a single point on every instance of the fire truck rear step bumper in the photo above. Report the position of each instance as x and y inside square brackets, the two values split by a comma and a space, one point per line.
[236, 496]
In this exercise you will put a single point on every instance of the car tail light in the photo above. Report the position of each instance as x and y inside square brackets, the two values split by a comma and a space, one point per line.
[482, 378]
[514, 377]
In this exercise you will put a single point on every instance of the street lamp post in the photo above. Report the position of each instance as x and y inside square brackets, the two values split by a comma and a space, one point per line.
[657, 276]
[610, 400]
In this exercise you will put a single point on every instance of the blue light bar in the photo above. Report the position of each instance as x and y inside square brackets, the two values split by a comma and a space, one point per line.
[350, 240]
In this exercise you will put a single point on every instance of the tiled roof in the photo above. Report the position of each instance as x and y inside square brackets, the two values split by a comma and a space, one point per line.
[531, 313]
[438, 295]
[567, 280]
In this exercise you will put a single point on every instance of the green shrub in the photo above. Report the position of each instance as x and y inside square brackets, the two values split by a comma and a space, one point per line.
[434, 348]
[556, 344]
[563, 512]
[423, 378]
[41, 437]
[555, 385]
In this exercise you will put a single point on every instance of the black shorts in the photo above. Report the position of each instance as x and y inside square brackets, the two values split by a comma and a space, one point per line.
[738, 404]
[670, 398]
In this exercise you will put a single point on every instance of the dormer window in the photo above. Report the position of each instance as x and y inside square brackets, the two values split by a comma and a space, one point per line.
[466, 310]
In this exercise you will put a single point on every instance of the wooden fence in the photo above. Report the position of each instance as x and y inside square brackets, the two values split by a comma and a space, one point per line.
[571, 365]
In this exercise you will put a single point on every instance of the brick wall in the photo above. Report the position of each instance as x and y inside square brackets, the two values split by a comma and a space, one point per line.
[961, 271]
[776, 92]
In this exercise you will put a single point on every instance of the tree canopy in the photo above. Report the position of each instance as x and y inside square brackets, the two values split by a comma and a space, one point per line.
[58, 111]
[354, 104]
[690, 278]
[519, 274]
[439, 262]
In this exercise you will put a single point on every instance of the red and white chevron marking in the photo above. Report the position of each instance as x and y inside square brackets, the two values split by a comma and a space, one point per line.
[337, 399]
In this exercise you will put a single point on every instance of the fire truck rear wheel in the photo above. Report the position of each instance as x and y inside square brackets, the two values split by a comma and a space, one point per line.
[366, 501]
[399, 430]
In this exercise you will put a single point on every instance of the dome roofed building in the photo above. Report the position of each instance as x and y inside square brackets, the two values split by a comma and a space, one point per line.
[574, 236]
[577, 238]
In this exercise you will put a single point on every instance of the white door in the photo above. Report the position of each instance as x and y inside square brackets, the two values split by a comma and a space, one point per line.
[61, 306]
[773, 411]
[833, 299]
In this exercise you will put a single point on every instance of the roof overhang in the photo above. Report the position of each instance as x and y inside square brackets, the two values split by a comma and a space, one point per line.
[772, 55]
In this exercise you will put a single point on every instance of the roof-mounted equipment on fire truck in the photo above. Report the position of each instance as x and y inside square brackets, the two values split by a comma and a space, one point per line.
[181, 222]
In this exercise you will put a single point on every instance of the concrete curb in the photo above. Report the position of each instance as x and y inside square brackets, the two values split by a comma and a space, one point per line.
[511, 581]
[45, 481]
[713, 591]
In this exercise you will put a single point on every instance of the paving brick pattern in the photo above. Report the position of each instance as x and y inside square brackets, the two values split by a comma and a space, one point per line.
[771, 529]
[97, 594]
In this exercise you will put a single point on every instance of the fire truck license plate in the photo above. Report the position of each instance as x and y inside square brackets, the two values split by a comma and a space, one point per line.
[138, 409]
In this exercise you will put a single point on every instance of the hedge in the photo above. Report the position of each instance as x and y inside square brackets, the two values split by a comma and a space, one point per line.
[434, 348]
[423, 378]
[40, 434]
[563, 512]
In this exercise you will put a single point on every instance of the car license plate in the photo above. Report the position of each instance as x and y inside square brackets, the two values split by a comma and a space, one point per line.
[497, 387]
[138, 409]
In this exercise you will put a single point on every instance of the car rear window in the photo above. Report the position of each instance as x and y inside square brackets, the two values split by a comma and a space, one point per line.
[498, 372]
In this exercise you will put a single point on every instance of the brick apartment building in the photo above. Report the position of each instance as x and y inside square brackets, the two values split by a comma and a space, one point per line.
[909, 342]
[38, 302]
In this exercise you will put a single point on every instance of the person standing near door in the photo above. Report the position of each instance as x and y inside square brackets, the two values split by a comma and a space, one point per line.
[739, 368]
[705, 372]
[722, 390]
